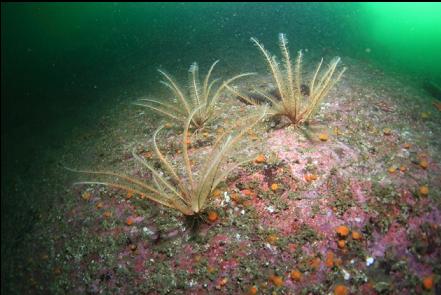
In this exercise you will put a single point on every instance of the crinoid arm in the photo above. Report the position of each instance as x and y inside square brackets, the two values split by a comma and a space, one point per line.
[168, 110]
[326, 82]
[131, 184]
[211, 174]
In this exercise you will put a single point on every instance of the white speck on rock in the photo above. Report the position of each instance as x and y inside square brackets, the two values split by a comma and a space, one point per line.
[226, 199]
[267, 245]
[192, 283]
[369, 261]
[147, 231]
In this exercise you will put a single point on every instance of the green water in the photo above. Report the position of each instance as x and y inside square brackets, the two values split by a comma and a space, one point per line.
[406, 35]
[65, 64]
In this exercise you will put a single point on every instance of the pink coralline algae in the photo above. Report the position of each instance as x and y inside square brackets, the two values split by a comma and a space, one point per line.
[396, 237]
[298, 153]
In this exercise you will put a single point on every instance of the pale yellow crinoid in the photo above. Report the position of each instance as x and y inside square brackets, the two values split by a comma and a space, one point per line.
[187, 189]
[201, 96]
[291, 100]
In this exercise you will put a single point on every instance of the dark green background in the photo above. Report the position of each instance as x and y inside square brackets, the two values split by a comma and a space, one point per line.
[58, 58]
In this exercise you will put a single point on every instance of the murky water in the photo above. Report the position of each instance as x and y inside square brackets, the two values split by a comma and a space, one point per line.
[71, 71]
